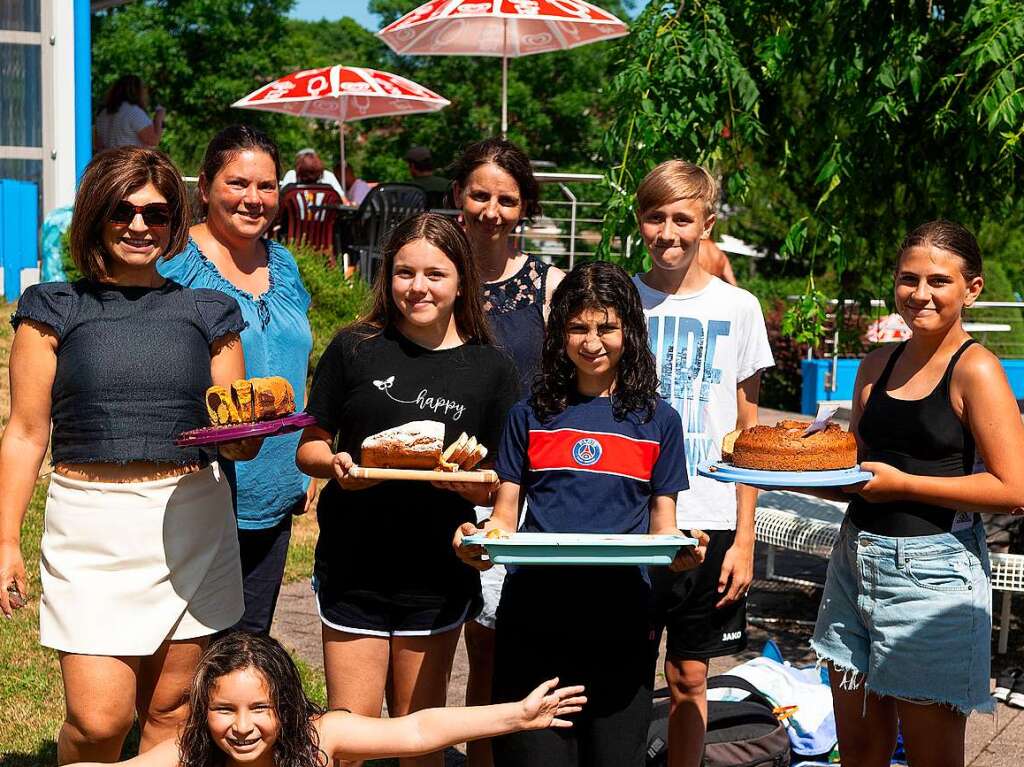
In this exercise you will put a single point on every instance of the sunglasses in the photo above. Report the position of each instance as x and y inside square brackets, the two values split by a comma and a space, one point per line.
[156, 214]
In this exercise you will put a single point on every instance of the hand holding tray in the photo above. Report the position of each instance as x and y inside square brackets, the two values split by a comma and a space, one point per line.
[484, 476]
[580, 548]
[219, 435]
[726, 472]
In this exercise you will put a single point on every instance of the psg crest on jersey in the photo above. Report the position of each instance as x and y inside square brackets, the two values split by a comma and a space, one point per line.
[587, 451]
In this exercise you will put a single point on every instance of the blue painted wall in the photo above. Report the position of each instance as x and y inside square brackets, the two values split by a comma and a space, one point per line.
[83, 86]
[814, 372]
[19, 237]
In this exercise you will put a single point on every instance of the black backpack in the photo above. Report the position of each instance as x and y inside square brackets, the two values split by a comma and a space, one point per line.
[740, 733]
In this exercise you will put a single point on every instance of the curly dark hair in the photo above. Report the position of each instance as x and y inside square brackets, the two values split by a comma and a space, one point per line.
[298, 744]
[598, 285]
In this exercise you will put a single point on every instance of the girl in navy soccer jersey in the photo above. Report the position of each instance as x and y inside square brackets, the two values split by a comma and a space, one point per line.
[593, 450]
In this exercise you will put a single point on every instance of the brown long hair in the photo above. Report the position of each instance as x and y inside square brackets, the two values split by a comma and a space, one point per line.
[298, 744]
[128, 88]
[949, 236]
[109, 178]
[449, 238]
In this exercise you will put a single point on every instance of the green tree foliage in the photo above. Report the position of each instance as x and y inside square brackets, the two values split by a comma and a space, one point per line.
[334, 302]
[197, 56]
[201, 55]
[836, 125]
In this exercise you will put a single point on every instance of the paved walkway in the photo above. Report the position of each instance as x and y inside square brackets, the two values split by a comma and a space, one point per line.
[780, 611]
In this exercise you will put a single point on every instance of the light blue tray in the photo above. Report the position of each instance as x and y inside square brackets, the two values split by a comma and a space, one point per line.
[581, 548]
[726, 472]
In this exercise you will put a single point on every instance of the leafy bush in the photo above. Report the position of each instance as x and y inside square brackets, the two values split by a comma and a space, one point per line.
[780, 385]
[71, 272]
[999, 287]
[336, 301]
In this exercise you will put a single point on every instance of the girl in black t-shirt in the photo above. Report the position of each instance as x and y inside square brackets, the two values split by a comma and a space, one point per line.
[391, 593]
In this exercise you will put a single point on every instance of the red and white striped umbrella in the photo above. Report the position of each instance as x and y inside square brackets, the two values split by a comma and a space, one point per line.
[344, 94]
[505, 28]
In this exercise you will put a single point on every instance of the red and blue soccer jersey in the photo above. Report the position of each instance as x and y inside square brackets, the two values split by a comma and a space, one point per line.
[585, 472]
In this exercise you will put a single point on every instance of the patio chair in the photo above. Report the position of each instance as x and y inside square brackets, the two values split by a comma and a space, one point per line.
[309, 212]
[386, 206]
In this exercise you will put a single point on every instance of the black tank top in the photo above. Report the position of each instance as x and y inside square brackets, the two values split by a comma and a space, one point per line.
[922, 437]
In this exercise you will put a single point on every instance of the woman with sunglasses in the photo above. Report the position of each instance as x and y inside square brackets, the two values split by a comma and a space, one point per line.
[139, 556]
[227, 251]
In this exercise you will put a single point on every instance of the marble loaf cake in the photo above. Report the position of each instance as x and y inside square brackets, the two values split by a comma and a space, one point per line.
[783, 448]
[249, 400]
[413, 445]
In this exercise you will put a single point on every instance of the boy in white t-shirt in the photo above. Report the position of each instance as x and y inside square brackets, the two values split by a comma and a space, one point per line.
[710, 343]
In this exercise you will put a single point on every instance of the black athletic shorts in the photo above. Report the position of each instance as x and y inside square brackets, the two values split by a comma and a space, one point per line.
[684, 603]
[372, 613]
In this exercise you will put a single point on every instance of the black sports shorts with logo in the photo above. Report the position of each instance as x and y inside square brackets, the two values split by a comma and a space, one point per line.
[684, 603]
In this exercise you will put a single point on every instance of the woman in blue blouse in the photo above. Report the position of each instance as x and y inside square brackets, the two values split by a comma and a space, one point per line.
[228, 252]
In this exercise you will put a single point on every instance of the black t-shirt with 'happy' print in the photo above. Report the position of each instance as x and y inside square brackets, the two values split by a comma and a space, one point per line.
[395, 537]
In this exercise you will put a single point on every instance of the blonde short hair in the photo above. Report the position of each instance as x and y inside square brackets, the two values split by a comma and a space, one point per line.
[677, 180]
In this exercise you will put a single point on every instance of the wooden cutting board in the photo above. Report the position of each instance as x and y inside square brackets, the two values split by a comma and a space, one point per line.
[485, 476]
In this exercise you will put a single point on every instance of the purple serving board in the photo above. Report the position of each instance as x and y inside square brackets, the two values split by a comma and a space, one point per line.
[218, 435]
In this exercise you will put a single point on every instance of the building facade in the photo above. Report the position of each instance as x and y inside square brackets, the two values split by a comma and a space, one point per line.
[45, 99]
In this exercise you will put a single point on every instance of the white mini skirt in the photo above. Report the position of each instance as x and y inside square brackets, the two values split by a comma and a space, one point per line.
[126, 566]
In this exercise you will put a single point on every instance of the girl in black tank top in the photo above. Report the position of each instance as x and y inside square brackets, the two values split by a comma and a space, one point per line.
[923, 437]
[906, 614]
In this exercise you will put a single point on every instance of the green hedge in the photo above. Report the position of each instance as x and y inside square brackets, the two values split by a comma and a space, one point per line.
[335, 301]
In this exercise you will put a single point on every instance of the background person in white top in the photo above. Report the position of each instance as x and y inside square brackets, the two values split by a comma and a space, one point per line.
[309, 157]
[710, 344]
[123, 120]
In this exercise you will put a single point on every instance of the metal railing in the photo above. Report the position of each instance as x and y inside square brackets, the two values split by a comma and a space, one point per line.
[568, 227]
[999, 325]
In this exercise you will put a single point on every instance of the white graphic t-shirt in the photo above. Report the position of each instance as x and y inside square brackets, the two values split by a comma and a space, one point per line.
[705, 344]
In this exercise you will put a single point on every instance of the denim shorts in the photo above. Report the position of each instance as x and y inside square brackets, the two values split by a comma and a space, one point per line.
[910, 618]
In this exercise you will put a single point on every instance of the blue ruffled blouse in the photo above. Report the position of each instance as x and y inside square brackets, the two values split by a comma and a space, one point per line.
[277, 341]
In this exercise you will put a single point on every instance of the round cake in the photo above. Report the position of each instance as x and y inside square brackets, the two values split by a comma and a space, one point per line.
[782, 448]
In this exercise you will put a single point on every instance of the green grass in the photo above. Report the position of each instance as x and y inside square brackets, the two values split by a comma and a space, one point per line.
[335, 301]
[30, 686]
[299, 565]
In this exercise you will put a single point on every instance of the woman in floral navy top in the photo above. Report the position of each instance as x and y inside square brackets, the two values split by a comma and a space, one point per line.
[496, 190]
